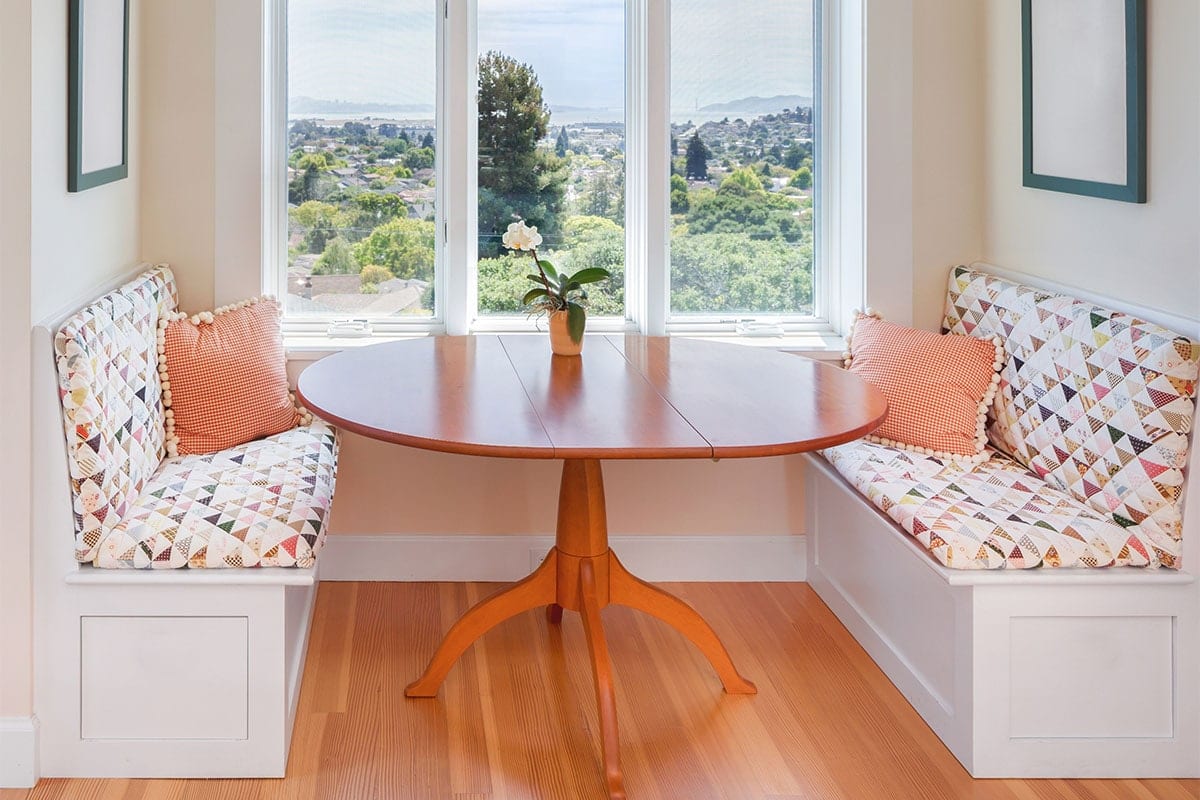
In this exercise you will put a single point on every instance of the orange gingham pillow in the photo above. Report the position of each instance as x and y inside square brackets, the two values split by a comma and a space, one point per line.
[938, 386]
[224, 378]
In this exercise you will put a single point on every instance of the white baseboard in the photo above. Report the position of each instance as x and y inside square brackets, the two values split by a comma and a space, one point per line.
[18, 752]
[508, 558]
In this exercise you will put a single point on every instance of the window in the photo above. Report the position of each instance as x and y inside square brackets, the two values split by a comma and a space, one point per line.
[742, 166]
[362, 157]
[394, 107]
[559, 161]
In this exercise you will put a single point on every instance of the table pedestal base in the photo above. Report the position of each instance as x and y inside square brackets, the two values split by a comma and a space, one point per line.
[582, 574]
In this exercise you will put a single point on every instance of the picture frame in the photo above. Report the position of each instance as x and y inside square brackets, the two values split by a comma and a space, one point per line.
[98, 93]
[1084, 86]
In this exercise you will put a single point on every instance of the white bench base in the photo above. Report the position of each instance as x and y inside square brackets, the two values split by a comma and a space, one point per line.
[154, 673]
[1022, 674]
[176, 675]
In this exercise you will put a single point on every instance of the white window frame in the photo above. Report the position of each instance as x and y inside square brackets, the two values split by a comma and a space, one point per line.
[837, 268]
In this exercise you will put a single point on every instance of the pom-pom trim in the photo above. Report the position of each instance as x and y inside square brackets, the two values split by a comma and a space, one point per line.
[304, 416]
[982, 454]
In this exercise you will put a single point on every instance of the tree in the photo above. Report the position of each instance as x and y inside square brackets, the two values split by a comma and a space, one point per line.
[371, 209]
[563, 143]
[598, 200]
[697, 159]
[338, 259]
[389, 130]
[516, 180]
[679, 195]
[374, 274]
[404, 247]
[318, 222]
[742, 181]
[734, 273]
[794, 156]
[802, 179]
[427, 141]
[307, 185]
[419, 158]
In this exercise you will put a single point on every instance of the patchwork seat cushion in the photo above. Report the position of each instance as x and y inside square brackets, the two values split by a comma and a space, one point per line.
[994, 515]
[261, 504]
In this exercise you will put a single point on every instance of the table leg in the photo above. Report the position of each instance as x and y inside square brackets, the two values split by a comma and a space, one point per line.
[627, 590]
[606, 701]
[536, 590]
[582, 574]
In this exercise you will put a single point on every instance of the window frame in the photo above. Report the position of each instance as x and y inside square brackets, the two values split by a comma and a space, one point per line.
[647, 228]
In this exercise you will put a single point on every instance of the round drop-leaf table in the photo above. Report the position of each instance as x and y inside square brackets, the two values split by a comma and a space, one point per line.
[627, 396]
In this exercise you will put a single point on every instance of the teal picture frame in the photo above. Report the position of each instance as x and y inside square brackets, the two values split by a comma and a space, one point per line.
[77, 179]
[1133, 190]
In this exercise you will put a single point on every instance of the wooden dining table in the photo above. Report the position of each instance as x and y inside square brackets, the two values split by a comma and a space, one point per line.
[627, 397]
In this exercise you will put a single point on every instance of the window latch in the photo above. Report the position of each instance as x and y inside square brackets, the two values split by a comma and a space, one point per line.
[749, 327]
[349, 328]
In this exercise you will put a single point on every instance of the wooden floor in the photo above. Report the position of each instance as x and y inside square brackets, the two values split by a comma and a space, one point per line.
[516, 718]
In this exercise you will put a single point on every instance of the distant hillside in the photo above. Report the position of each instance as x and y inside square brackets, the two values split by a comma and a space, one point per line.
[759, 105]
[309, 105]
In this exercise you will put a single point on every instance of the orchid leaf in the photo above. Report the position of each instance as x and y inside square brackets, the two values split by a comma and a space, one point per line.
[532, 295]
[576, 318]
[590, 275]
[541, 280]
[548, 268]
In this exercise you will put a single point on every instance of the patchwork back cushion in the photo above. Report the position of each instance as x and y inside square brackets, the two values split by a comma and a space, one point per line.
[1096, 402]
[112, 401]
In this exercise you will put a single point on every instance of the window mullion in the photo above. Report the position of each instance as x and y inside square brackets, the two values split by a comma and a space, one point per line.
[456, 181]
[649, 133]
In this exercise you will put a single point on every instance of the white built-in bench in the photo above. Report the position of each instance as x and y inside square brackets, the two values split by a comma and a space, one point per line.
[1025, 668]
[147, 663]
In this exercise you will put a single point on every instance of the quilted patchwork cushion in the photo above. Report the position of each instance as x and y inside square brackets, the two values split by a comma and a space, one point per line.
[994, 515]
[1096, 402]
[112, 402]
[261, 504]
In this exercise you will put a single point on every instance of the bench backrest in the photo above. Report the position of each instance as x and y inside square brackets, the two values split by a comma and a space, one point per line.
[1097, 402]
[107, 357]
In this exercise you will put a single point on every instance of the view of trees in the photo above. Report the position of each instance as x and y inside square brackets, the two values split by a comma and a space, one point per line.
[361, 206]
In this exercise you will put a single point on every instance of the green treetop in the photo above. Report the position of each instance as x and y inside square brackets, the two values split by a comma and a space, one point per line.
[697, 159]
[516, 180]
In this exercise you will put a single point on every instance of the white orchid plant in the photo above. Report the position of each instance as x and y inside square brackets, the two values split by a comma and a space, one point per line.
[555, 291]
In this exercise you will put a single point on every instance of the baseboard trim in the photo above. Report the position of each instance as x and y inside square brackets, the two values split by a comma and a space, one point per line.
[18, 752]
[508, 558]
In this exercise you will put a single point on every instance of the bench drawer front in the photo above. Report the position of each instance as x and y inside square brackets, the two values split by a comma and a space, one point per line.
[164, 677]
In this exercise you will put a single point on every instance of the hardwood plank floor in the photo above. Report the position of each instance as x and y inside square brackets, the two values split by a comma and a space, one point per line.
[516, 718]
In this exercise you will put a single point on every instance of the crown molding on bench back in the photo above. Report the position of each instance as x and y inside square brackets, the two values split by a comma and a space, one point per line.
[464, 557]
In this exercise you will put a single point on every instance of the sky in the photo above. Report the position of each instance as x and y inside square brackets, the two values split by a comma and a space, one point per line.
[383, 51]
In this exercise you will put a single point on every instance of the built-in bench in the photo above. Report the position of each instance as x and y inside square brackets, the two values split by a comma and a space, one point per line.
[1040, 610]
[170, 638]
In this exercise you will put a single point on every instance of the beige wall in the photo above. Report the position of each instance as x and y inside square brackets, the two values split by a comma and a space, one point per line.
[948, 147]
[1148, 253]
[55, 247]
[16, 698]
[178, 151]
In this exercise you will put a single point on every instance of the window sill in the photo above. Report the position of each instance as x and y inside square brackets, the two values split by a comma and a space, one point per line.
[819, 345]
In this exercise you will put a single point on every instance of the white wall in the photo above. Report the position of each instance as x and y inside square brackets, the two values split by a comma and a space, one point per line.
[1148, 253]
[82, 240]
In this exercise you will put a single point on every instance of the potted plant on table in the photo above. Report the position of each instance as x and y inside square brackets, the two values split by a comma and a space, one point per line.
[558, 295]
